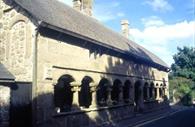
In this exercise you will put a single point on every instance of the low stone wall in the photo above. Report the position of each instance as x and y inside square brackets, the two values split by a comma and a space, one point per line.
[93, 117]
[150, 106]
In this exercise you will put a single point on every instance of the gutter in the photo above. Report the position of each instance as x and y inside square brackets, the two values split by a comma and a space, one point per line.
[34, 77]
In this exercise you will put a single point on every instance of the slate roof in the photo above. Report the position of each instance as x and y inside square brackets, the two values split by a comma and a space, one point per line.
[65, 19]
[5, 75]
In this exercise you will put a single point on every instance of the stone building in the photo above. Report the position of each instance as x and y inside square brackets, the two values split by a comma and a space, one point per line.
[60, 67]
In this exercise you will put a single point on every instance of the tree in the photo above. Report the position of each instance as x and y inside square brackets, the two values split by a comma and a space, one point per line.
[182, 77]
[184, 65]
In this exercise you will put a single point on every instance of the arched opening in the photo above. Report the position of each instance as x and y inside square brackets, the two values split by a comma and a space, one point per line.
[116, 91]
[161, 91]
[156, 91]
[85, 96]
[145, 91]
[151, 90]
[126, 91]
[137, 95]
[63, 96]
[102, 93]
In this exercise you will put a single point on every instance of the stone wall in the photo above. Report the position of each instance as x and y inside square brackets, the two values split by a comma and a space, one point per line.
[15, 41]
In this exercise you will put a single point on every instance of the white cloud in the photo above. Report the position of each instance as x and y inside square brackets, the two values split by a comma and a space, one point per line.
[159, 5]
[163, 39]
[152, 21]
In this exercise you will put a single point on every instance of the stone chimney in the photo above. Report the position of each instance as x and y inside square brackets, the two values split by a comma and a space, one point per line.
[84, 6]
[77, 5]
[125, 28]
[87, 7]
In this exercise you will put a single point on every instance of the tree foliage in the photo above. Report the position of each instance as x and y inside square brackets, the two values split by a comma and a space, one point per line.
[182, 77]
[184, 65]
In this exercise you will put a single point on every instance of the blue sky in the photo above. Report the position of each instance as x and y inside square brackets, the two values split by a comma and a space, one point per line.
[158, 25]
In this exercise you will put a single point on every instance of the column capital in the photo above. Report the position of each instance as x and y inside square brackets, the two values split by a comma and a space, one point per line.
[93, 89]
[74, 84]
[75, 87]
[93, 85]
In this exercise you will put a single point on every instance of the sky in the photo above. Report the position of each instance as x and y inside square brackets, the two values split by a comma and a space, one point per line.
[158, 25]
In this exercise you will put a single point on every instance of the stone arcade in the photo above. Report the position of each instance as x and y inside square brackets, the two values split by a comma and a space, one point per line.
[62, 68]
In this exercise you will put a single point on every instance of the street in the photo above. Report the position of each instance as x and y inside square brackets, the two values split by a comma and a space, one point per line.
[185, 118]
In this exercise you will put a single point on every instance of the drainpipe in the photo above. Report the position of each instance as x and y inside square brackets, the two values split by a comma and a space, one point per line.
[34, 77]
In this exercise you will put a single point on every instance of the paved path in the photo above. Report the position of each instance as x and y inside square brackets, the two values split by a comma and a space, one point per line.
[185, 118]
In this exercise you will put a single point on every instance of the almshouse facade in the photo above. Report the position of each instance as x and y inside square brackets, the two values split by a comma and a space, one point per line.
[69, 70]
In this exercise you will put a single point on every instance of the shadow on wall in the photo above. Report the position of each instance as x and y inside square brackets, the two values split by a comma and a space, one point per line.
[73, 116]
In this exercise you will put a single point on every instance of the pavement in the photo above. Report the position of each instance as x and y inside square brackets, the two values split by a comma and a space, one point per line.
[183, 118]
[142, 120]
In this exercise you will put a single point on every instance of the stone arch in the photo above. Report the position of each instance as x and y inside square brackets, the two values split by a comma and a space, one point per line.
[63, 96]
[85, 95]
[117, 84]
[102, 91]
[126, 90]
[151, 90]
[137, 92]
[19, 18]
[161, 91]
[145, 91]
[17, 46]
